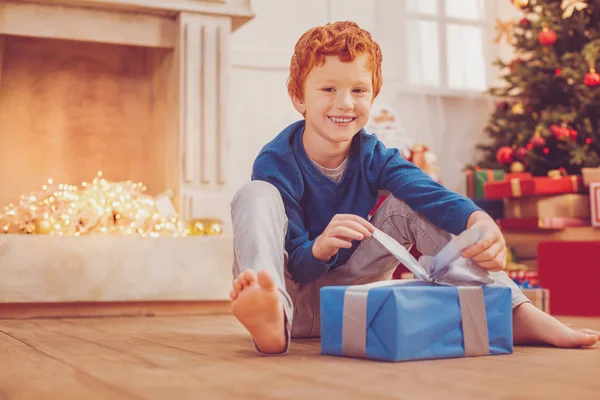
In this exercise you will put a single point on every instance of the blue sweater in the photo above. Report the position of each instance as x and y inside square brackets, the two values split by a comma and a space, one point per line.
[311, 199]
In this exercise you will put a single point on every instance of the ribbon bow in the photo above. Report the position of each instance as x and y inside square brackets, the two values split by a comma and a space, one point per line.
[504, 29]
[569, 7]
[447, 267]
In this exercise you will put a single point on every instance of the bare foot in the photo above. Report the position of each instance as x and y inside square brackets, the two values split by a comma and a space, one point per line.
[256, 304]
[533, 326]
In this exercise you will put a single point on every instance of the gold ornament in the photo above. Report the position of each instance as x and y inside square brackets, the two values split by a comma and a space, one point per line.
[518, 109]
[504, 29]
[521, 4]
[569, 6]
[556, 173]
[517, 166]
[43, 226]
[206, 227]
[196, 228]
[214, 228]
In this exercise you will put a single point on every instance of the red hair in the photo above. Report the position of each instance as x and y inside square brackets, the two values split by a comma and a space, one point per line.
[344, 39]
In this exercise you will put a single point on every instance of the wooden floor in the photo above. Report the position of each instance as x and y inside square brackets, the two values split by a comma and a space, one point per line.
[210, 357]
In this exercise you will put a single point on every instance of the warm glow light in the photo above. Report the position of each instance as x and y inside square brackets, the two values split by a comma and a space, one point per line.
[100, 206]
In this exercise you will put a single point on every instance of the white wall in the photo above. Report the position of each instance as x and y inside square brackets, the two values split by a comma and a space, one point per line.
[260, 107]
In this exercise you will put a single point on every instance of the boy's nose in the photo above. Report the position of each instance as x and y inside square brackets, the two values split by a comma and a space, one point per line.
[344, 101]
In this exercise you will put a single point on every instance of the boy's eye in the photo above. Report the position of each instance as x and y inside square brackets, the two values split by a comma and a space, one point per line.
[359, 90]
[328, 89]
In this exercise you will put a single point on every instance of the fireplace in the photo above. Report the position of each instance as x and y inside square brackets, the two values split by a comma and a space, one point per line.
[137, 89]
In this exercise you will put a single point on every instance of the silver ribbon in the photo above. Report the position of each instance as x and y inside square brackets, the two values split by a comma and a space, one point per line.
[446, 268]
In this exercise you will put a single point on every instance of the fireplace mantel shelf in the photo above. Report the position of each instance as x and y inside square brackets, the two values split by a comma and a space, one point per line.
[148, 23]
[239, 10]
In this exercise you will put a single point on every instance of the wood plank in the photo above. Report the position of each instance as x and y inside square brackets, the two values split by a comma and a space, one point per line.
[112, 309]
[133, 376]
[218, 369]
[23, 364]
[52, 22]
[212, 355]
[545, 372]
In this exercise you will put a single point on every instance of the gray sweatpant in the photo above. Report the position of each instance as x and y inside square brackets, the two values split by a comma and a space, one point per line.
[259, 230]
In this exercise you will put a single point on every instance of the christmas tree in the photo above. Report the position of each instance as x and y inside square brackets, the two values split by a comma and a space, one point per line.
[547, 115]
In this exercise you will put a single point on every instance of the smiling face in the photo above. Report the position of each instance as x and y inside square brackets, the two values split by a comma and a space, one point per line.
[337, 101]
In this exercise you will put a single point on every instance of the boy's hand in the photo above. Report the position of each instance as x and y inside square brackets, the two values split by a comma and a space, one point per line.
[339, 234]
[490, 251]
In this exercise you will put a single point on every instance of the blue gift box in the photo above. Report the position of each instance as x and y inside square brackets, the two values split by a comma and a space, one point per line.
[414, 320]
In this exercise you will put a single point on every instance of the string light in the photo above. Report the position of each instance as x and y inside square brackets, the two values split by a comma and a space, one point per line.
[98, 207]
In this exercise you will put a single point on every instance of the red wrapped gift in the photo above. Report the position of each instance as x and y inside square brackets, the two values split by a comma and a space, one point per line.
[569, 270]
[510, 188]
[517, 175]
[556, 223]
[534, 186]
[595, 203]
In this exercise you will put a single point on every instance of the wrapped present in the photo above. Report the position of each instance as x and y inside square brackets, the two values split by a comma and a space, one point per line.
[449, 310]
[595, 203]
[525, 279]
[590, 175]
[478, 177]
[549, 223]
[517, 175]
[534, 186]
[572, 205]
[539, 297]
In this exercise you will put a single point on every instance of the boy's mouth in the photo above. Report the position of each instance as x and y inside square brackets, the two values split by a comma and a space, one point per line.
[342, 120]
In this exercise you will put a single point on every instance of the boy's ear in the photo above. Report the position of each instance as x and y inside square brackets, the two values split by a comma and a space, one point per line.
[299, 105]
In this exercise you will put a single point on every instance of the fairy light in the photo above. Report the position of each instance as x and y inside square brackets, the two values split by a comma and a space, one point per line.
[99, 206]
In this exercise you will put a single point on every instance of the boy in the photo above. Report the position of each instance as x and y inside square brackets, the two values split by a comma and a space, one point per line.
[301, 223]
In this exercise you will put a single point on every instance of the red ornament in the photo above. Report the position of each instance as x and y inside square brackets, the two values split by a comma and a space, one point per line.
[546, 150]
[521, 153]
[513, 63]
[558, 71]
[537, 141]
[525, 23]
[573, 133]
[592, 78]
[560, 132]
[502, 105]
[547, 37]
[588, 141]
[505, 155]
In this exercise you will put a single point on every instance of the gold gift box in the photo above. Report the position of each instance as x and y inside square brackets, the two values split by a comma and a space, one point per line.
[206, 227]
[569, 205]
[539, 298]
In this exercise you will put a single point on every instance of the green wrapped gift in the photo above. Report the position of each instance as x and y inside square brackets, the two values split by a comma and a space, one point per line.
[477, 177]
